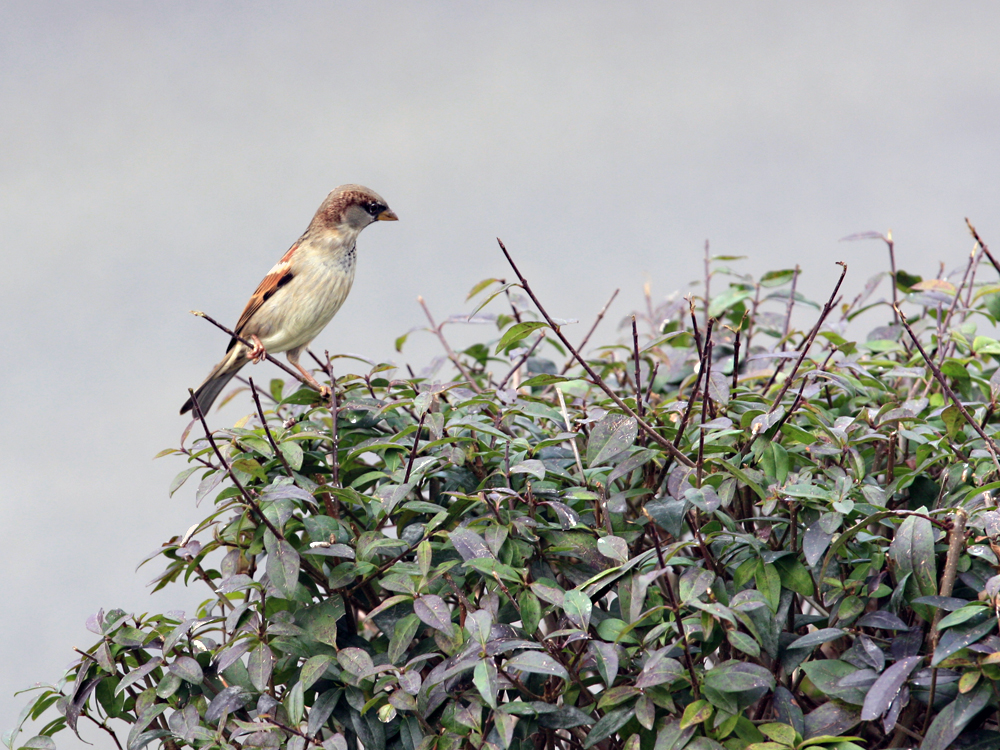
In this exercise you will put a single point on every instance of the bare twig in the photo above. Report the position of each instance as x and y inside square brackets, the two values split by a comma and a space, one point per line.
[791, 304]
[652, 380]
[583, 344]
[638, 375]
[812, 337]
[308, 567]
[806, 345]
[949, 346]
[939, 376]
[520, 362]
[247, 343]
[986, 250]
[694, 327]
[413, 450]
[267, 431]
[708, 279]
[702, 369]
[436, 330]
[597, 379]
[334, 415]
[972, 282]
[569, 428]
[705, 400]
[892, 265]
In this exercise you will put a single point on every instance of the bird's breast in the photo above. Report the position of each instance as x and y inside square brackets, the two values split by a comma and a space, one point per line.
[303, 307]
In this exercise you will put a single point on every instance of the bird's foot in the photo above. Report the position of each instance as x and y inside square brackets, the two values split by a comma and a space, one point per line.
[258, 352]
[324, 390]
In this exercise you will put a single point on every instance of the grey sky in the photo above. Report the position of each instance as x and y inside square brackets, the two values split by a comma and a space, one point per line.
[157, 157]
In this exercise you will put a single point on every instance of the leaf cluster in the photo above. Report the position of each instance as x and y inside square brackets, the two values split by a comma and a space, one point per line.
[786, 539]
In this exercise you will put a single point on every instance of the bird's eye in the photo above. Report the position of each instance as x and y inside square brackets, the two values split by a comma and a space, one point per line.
[373, 208]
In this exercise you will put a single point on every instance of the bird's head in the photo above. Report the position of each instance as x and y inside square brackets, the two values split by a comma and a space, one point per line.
[350, 208]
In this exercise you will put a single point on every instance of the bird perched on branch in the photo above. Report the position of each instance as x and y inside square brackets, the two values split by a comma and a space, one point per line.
[303, 291]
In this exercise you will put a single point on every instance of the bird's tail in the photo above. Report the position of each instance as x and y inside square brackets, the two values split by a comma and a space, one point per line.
[208, 391]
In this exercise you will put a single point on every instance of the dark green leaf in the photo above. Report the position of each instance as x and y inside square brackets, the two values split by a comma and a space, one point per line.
[609, 437]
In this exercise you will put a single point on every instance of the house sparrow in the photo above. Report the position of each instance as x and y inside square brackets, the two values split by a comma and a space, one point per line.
[300, 295]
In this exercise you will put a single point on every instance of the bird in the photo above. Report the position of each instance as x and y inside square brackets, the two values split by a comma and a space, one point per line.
[301, 293]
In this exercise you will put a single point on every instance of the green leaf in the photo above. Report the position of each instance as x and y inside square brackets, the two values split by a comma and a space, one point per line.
[481, 286]
[484, 677]
[260, 666]
[283, 568]
[517, 332]
[794, 575]
[695, 713]
[251, 466]
[313, 669]
[769, 584]
[577, 606]
[181, 478]
[295, 703]
[743, 642]
[433, 611]
[912, 551]
[781, 733]
[777, 278]
[609, 437]
[531, 611]
[533, 661]
[403, 632]
[356, 661]
[607, 725]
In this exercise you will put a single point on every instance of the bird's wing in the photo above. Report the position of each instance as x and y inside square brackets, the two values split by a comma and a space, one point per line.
[276, 278]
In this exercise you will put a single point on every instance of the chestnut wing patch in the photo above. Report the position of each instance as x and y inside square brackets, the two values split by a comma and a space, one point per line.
[276, 278]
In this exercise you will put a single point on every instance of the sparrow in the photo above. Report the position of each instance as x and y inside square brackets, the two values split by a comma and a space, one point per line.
[302, 292]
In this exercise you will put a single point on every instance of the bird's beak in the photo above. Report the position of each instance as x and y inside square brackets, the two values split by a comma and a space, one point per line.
[387, 215]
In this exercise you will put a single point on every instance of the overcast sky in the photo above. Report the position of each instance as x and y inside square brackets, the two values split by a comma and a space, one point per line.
[160, 156]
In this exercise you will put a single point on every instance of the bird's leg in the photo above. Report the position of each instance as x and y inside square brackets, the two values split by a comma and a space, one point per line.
[293, 357]
[258, 352]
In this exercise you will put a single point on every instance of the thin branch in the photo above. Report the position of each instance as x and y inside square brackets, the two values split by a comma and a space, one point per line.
[600, 317]
[308, 567]
[892, 265]
[939, 376]
[705, 401]
[791, 304]
[334, 416]
[652, 380]
[806, 345]
[702, 369]
[694, 327]
[597, 379]
[986, 250]
[708, 279]
[247, 343]
[812, 337]
[436, 330]
[267, 431]
[520, 362]
[569, 428]
[413, 450]
[246, 382]
[638, 379]
[949, 346]
[972, 282]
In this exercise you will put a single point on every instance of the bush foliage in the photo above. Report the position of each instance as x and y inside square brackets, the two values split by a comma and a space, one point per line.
[718, 532]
